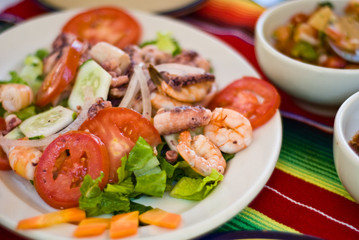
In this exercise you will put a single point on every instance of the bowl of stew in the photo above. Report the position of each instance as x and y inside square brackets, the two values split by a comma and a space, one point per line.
[291, 45]
[346, 145]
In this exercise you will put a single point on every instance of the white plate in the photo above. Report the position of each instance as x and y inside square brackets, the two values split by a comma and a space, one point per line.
[246, 173]
[159, 6]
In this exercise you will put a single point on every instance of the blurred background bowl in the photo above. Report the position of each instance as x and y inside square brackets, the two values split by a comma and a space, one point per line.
[318, 86]
[346, 160]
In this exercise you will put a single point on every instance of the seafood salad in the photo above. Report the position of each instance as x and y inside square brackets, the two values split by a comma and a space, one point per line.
[101, 119]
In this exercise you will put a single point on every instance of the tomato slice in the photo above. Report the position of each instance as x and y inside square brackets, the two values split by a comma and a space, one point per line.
[64, 164]
[4, 161]
[60, 75]
[108, 24]
[254, 98]
[120, 128]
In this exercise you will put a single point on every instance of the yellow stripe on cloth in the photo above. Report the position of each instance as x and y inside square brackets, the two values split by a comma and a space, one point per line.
[319, 181]
[263, 222]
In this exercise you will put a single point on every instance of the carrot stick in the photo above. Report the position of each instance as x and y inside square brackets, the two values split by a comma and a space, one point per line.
[49, 219]
[123, 225]
[92, 227]
[161, 218]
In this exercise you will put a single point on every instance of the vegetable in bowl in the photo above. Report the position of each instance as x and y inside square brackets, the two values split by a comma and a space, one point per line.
[305, 37]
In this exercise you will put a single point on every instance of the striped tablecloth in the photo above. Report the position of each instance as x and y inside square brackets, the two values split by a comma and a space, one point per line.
[304, 195]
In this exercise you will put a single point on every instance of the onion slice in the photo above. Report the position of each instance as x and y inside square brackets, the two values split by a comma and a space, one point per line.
[145, 92]
[131, 91]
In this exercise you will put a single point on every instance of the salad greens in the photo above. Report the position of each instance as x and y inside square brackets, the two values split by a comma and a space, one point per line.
[31, 74]
[304, 50]
[143, 173]
[165, 42]
[196, 188]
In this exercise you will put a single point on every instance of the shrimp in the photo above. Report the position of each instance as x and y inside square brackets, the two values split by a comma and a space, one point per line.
[200, 153]
[190, 93]
[163, 101]
[15, 96]
[23, 160]
[229, 130]
[180, 118]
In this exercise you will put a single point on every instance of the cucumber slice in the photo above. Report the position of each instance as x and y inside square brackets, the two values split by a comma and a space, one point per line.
[15, 134]
[91, 76]
[47, 123]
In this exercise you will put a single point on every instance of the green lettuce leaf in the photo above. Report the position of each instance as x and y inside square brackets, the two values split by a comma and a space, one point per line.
[26, 112]
[165, 42]
[141, 157]
[122, 173]
[151, 184]
[196, 188]
[91, 195]
[134, 206]
[96, 202]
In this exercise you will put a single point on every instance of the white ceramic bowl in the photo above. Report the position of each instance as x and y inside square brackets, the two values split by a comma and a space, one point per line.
[346, 125]
[313, 84]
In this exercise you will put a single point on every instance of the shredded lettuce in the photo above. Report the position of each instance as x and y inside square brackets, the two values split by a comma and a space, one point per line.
[14, 78]
[26, 112]
[143, 173]
[304, 51]
[196, 188]
[165, 42]
[141, 157]
[151, 184]
[96, 202]
[32, 71]
[228, 156]
[42, 53]
[139, 207]
[116, 197]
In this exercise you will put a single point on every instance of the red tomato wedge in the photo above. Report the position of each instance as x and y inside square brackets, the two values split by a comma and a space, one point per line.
[256, 99]
[64, 164]
[108, 24]
[4, 161]
[120, 128]
[62, 74]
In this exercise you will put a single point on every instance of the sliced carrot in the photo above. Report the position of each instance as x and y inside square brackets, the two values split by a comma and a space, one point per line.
[123, 225]
[92, 227]
[49, 219]
[161, 218]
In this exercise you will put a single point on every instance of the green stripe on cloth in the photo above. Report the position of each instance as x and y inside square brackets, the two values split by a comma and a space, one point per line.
[305, 154]
[250, 219]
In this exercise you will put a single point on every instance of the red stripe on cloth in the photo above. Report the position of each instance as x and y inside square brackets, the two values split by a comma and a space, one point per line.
[308, 208]
[26, 9]
[316, 197]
